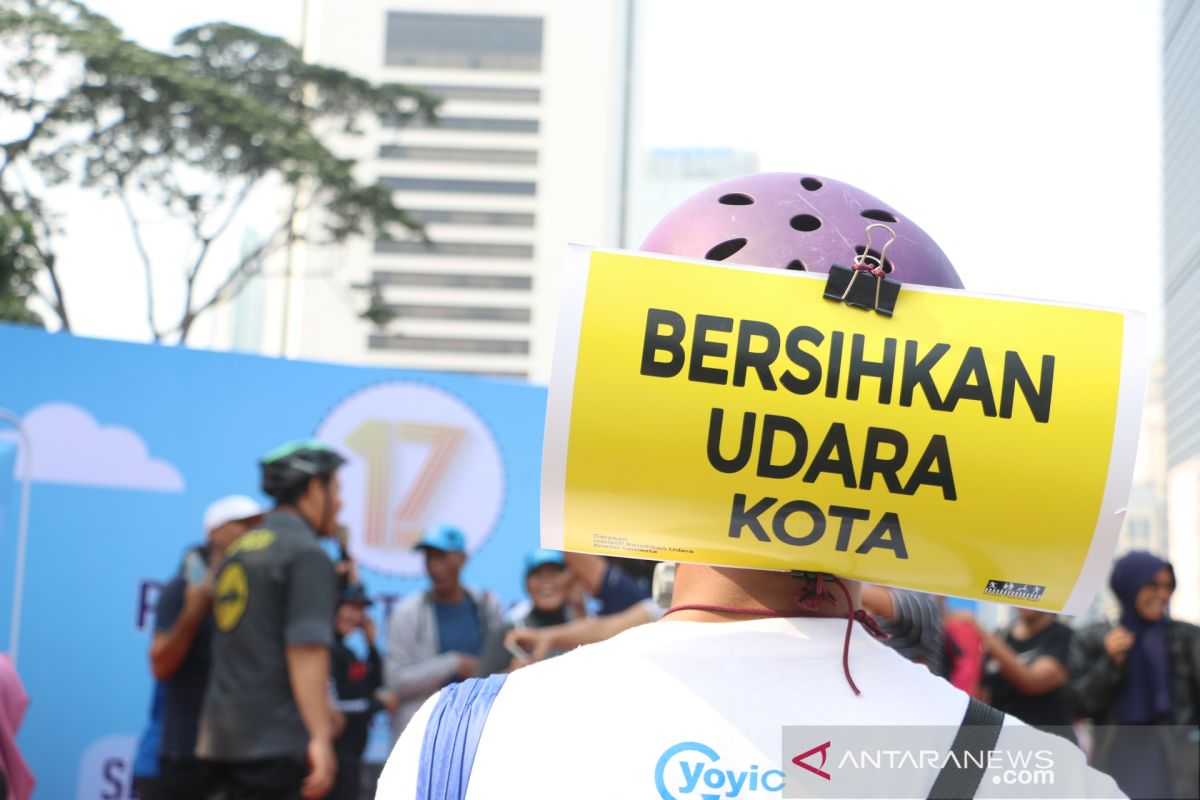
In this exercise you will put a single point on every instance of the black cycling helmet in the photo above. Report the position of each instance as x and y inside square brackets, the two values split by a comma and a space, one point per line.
[287, 469]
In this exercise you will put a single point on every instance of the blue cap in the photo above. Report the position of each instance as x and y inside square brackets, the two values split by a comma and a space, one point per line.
[541, 557]
[443, 537]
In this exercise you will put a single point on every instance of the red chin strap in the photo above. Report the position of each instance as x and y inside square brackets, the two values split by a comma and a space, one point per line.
[808, 600]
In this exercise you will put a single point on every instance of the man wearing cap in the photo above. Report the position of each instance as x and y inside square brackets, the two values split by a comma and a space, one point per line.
[436, 637]
[266, 730]
[181, 650]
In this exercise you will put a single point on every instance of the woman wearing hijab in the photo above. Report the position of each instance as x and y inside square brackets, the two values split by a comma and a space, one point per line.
[1135, 678]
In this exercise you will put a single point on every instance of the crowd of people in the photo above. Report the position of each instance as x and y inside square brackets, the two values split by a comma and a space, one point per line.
[258, 693]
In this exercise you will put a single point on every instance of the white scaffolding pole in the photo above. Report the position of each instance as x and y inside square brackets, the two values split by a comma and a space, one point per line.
[26, 455]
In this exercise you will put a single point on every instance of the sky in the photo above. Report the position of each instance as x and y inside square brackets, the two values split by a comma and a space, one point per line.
[1024, 135]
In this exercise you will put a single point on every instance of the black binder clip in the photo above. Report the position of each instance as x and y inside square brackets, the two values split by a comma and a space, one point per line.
[849, 285]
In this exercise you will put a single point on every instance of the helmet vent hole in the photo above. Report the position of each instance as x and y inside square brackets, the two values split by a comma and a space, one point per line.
[805, 222]
[873, 253]
[879, 216]
[796, 264]
[725, 249]
[812, 184]
[736, 199]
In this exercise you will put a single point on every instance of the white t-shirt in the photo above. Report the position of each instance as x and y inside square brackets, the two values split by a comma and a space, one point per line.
[667, 710]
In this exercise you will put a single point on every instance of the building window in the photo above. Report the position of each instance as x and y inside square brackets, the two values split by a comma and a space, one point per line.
[466, 313]
[458, 185]
[458, 154]
[464, 41]
[502, 219]
[485, 124]
[448, 344]
[476, 249]
[497, 94]
[451, 280]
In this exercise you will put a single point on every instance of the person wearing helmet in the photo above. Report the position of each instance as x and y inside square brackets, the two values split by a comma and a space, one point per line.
[742, 652]
[267, 726]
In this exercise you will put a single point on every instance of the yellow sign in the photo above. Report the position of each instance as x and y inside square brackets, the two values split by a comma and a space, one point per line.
[250, 541]
[973, 446]
[232, 594]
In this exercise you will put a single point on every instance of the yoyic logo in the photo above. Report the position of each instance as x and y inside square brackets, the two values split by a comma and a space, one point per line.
[690, 769]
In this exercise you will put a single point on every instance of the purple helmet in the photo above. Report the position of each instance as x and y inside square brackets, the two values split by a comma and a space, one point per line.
[803, 222]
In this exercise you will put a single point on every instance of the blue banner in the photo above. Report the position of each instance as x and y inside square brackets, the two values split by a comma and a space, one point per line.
[129, 444]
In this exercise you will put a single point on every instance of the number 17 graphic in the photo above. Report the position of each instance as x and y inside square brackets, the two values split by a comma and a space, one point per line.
[374, 440]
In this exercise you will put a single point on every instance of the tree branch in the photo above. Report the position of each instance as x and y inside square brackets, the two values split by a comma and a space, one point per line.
[16, 147]
[229, 217]
[205, 242]
[231, 280]
[136, 228]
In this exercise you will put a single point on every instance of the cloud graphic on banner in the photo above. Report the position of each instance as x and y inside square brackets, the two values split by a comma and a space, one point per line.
[69, 446]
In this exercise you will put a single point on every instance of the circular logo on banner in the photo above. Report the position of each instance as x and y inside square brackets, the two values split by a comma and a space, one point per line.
[232, 593]
[418, 456]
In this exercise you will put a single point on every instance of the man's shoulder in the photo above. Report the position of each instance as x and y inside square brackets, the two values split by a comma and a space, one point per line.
[409, 605]
[1186, 631]
[485, 599]
[280, 537]
[517, 614]
[257, 543]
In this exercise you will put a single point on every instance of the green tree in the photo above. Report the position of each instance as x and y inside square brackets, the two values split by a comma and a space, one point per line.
[229, 111]
[18, 268]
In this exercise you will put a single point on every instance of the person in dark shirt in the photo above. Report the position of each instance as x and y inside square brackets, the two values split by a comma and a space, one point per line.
[267, 728]
[180, 652]
[1027, 670]
[614, 587]
[356, 685]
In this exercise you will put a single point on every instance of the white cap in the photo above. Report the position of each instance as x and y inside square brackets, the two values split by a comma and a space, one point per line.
[231, 509]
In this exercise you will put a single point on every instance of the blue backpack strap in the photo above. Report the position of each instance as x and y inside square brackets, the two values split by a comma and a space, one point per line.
[452, 737]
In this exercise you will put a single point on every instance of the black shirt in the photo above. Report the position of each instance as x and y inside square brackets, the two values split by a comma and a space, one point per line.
[356, 682]
[183, 692]
[1045, 711]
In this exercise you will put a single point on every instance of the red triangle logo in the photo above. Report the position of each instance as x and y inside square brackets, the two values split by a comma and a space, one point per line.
[823, 749]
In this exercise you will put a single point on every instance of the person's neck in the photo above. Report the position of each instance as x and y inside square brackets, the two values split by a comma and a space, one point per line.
[293, 510]
[448, 596]
[732, 588]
